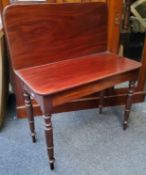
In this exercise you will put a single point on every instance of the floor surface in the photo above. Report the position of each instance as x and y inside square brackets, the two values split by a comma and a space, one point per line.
[86, 143]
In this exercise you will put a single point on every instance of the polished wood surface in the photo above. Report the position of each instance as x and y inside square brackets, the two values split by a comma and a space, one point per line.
[82, 31]
[3, 4]
[72, 73]
[28, 106]
[114, 23]
[127, 15]
[129, 103]
[61, 79]
[90, 102]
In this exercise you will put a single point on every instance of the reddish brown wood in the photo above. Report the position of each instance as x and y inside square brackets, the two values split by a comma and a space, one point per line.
[70, 33]
[49, 139]
[92, 68]
[127, 14]
[87, 89]
[29, 110]
[128, 103]
[3, 3]
[114, 12]
[114, 24]
[69, 64]
[87, 103]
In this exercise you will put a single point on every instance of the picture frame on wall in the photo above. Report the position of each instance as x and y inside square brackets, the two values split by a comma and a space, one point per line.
[138, 9]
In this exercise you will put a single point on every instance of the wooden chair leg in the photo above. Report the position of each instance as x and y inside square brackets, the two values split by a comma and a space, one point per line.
[101, 101]
[29, 111]
[49, 139]
[128, 103]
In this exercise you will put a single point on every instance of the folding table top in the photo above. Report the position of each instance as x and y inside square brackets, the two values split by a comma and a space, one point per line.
[39, 34]
[67, 74]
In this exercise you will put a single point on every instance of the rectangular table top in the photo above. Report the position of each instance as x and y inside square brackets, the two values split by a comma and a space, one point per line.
[59, 76]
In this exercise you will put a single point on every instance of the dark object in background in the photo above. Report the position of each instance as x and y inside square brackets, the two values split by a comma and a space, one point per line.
[4, 79]
[133, 45]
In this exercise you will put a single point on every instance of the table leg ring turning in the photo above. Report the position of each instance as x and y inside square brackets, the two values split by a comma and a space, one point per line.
[49, 139]
[128, 103]
[29, 111]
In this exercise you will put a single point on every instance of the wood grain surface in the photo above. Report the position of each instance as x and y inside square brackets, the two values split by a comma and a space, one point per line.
[114, 9]
[63, 75]
[59, 52]
[54, 32]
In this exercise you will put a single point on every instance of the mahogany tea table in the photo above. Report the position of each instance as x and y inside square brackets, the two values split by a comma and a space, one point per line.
[59, 52]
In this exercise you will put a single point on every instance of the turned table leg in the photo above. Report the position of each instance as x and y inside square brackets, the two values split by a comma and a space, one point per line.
[29, 111]
[128, 103]
[49, 139]
[101, 101]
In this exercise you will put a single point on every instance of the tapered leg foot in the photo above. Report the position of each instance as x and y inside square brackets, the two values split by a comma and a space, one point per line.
[49, 139]
[52, 166]
[128, 104]
[29, 111]
[125, 125]
[100, 110]
[101, 101]
[33, 138]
